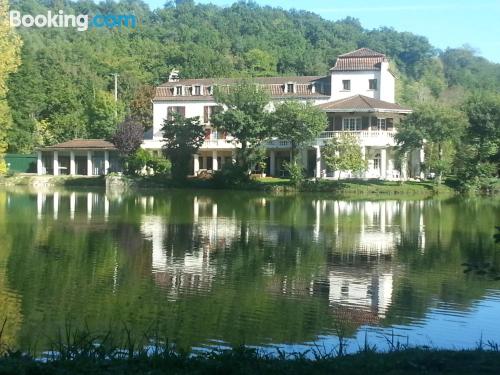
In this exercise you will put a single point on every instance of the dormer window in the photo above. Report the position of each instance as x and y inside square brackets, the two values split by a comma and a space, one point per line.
[372, 84]
[197, 90]
[346, 84]
[210, 90]
[290, 87]
[178, 90]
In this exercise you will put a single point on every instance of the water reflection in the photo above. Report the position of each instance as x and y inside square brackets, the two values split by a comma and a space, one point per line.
[240, 267]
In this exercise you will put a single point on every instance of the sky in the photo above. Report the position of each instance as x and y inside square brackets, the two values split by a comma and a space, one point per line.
[446, 23]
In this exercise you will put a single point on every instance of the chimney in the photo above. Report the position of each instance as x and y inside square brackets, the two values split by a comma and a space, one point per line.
[173, 76]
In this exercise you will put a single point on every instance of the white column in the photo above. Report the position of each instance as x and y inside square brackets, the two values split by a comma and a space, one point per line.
[215, 162]
[272, 162]
[106, 162]
[383, 163]
[55, 163]
[363, 156]
[89, 163]
[422, 160]
[72, 165]
[196, 164]
[404, 167]
[39, 164]
[318, 162]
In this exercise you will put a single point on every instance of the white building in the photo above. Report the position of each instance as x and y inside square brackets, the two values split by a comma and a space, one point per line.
[357, 95]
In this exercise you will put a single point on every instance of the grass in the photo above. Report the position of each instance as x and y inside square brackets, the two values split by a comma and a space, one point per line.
[249, 361]
[78, 351]
[341, 188]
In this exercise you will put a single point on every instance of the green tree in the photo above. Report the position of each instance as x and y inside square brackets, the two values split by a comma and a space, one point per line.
[183, 137]
[480, 146]
[10, 45]
[436, 126]
[104, 115]
[343, 154]
[299, 123]
[246, 118]
[259, 63]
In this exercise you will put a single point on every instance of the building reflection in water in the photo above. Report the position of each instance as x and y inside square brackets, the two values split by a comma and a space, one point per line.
[360, 236]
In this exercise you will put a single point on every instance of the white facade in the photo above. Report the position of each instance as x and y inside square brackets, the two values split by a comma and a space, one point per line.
[362, 73]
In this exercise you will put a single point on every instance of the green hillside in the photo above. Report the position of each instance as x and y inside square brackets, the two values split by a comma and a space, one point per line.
[63, 89]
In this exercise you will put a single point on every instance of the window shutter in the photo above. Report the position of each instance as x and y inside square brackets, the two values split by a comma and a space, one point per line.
[205, 114]
[338, 122]
[390, 123]
[170, 110]
[182, 111]
[208, 132]
[365, 120]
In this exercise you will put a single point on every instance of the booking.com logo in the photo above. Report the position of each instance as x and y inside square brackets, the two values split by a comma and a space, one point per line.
[81, 22]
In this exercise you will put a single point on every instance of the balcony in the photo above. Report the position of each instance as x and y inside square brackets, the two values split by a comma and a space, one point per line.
[214, 143]
[365, 137]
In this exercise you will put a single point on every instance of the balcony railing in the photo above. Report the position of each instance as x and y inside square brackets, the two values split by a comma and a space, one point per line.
[359, 133]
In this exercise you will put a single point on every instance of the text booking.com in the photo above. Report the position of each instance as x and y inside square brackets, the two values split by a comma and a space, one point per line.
[81, 22]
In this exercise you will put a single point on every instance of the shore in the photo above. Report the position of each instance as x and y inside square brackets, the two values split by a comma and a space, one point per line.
[247, 361]
[277, 185]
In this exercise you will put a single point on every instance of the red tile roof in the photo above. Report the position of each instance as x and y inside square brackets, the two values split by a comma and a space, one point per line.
[83, 144]
[274, 85]
[362, 103]
[361, 59]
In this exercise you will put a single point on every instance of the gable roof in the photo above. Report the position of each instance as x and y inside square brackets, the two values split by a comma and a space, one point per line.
[275, 86]
[361, 59]
[363, 52]
[361, 103]
[82, 144]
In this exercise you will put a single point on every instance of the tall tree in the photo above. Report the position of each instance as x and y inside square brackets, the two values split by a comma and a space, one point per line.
[104, 115]
[436, 126]
[299, 123]
[246, 117]
[343, 154]
[10, 45]
[183, 137]
[128, 137]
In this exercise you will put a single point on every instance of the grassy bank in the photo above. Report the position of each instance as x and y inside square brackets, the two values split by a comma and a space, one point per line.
[244, 361]
[341, 188]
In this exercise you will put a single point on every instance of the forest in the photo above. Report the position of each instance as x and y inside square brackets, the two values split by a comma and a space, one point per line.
[63, 87]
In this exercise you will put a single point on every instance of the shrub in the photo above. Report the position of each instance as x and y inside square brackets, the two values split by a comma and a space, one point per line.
[296, 173]
[142, 159]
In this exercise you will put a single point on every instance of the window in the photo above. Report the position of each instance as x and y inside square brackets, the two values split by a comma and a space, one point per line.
[351, 124]
[372, 84]
[376, 162]
[197, 90]
[381, 124]
[346, 84]
[181, 110]
[290, 87]
[209, 111]
[178, 90]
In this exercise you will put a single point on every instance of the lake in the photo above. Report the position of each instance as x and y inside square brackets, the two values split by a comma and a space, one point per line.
[222, 268]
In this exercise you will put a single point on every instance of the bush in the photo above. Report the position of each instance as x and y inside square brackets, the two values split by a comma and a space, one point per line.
[141, 160]
[231, 175]
[296, 173]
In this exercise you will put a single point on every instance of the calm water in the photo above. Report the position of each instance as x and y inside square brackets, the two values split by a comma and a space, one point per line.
[221, 268]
